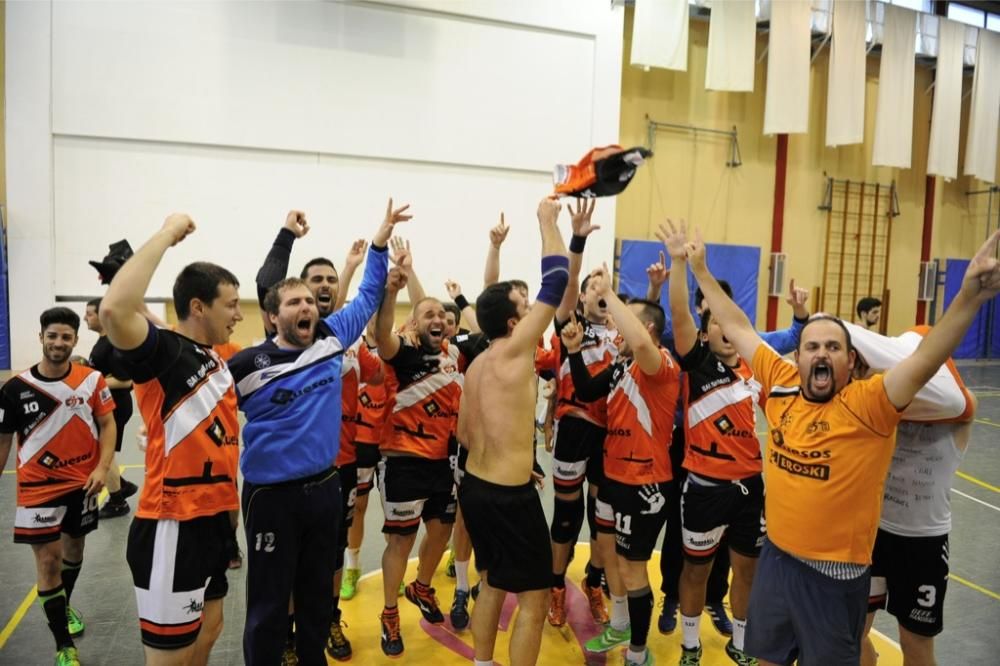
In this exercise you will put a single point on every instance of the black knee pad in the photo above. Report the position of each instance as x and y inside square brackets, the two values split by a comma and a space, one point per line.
[567, 519]
[592, 516]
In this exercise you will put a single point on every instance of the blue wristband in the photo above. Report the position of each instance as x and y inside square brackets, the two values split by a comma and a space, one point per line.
[555, 276]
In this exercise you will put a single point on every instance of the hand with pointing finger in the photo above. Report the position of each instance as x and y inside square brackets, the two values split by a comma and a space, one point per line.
[797, 297]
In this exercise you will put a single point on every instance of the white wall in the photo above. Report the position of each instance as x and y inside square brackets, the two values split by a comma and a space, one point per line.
[237, 111]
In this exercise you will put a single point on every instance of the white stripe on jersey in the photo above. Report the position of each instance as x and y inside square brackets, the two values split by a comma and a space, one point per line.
[62, 415]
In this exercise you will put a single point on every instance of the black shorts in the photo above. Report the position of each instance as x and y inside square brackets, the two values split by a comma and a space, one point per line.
[73, 514]
[176, 567]
[712, 507]
[367, 460]
[348, 491]
[909, 579]
[415, 489]
[122, 413]
[509, 534]
[578, 454]
[634, 514]
[799, 613]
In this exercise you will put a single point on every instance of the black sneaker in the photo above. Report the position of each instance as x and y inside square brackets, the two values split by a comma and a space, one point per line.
[426, 602]
[392, 640]
[128, 488]
[460, 610]
[668, 616]
[337, 645]
[113, 510]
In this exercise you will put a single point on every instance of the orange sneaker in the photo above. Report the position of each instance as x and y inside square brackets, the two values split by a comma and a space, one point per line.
[595, 597]
[557, 607]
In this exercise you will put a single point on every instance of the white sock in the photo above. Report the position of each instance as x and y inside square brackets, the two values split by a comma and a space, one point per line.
[462, 575]
[351, 558]
[619, 612]
[480, 662]
[739, 631]
[691, 628]
[636, 657]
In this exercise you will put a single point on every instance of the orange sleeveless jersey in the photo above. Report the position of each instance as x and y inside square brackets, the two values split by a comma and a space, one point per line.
[187, 399]
[641, 422]
[720, 419]
[599, 351]
[826, 463]
[359, 365]
[423, 410]
[57, 435]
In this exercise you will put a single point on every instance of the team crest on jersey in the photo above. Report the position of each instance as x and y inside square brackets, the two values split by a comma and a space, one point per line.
[262, 361]
[48, 460]
[432, 408]
[723, 424]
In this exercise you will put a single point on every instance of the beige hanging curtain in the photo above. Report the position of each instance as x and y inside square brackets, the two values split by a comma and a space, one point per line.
[845, 97]
[732, 46]
[786, 105]
[984, 112]
[660, 34]
[894, 111]
[946, 114]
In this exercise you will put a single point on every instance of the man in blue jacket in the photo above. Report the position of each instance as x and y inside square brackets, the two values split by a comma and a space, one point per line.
[289, 387]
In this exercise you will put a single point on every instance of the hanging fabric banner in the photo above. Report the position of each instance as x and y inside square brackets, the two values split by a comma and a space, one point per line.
[660, 34]
[946, 114]
[845, 95]
[984, 112]
[732, 47]
[894, 110]
[786, 105]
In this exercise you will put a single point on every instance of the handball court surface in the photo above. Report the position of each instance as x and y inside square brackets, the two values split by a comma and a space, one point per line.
[105, 597]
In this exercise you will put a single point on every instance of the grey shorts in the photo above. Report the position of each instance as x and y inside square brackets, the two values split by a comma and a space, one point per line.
[799, 613]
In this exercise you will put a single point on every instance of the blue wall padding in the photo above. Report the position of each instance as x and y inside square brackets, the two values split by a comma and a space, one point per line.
[739, 264]
[973, 345]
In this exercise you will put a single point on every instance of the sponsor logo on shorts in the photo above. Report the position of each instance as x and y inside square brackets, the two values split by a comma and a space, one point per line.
[194, 606]
[44, 520]
[821, 472]
[701, 542]
[925, 616]
[403, 513]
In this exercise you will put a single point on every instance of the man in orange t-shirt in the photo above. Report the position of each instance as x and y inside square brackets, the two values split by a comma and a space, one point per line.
[62, 414]
[828, 451]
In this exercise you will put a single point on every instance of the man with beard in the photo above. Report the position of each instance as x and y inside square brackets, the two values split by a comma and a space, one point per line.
[289, 387]
[828, 451]
[62, 414]
[505, 518]
[414, 476]
[869, 312]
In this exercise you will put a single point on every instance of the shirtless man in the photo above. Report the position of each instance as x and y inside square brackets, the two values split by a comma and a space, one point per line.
[496, 422]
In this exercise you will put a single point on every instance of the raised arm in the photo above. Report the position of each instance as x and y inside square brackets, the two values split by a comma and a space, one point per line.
[555, 273]
[387, 341]
[498, 234]
[580, 219]
[402, 257]
[275, 266]
[786, 340]
[980, 284]
[355, 257]
[645, 350]
[455, 293]
[734, 322]
[657, 275]
[685, 330]
[586, 387]
[122, 307]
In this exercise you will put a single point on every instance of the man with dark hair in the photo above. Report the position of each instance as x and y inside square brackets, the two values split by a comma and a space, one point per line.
[452, 319]
[830, 444]
[180, 541]
[640, 389]
[496, 423]
[290, 388]
[869, 311]
[723, 491]
[62, 414]
[103, 360]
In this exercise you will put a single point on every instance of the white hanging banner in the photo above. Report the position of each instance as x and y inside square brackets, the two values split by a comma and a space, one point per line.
[845, 96]
[732, 47]
[984, 112]
[894, 110]
[786, 105]
[946, 114]
[660, 34]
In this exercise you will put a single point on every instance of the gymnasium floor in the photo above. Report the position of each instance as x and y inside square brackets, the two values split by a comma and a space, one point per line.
[104, 593]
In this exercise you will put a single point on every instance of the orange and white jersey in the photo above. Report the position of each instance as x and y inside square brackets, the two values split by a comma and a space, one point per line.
[187, 399]
[720, 417]
[599, 350]
[423, 412]
[359, 365]
[56, 426]
[641, 422]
